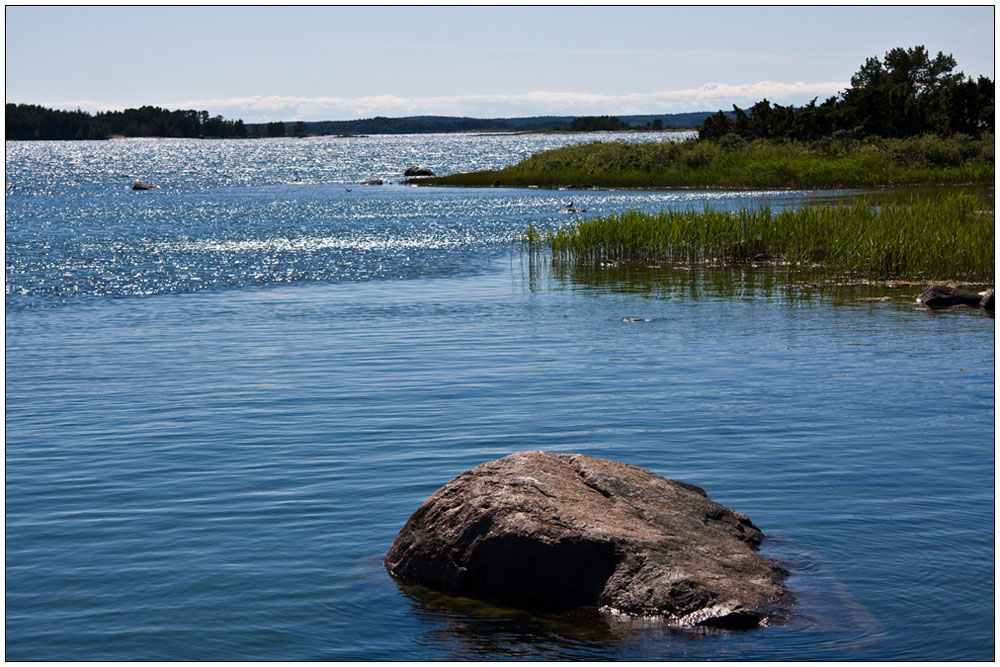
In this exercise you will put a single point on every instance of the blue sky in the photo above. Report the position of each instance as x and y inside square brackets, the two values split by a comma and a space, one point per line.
[333, 63]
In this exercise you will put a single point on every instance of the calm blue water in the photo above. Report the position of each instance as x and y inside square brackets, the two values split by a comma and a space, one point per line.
[226, 396]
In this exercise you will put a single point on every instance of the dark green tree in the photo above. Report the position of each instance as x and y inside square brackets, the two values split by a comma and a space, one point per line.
[905, 94]
[902, 95]
[717, 126]
[597, 124]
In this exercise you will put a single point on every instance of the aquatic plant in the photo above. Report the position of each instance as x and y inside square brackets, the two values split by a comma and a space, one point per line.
[948, 236]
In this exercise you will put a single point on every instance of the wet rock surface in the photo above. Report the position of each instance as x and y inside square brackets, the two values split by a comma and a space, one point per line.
[560, 531]
[418, 171]
[942, 296]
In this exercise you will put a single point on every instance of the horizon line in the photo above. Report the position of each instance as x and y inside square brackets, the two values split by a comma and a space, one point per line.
[268, 108]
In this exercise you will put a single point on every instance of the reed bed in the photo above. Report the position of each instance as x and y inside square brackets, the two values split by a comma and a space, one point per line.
[946, 237]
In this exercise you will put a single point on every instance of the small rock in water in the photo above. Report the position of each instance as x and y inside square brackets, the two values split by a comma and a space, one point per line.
[942, 296]
[635, 319]
[560, 531]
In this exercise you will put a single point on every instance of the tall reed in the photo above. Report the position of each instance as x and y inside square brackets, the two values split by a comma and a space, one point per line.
[949, 236]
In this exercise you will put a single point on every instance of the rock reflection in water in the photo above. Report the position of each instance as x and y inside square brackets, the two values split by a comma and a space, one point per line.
[466, 628]
[462, 628]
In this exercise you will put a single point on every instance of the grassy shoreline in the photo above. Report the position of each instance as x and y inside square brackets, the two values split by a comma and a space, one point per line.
[949, 237]
[740, 164]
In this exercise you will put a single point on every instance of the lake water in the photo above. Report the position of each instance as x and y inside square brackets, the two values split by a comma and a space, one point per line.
[224, 398]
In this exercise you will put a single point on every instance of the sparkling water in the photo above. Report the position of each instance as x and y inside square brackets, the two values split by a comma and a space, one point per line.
[225, 396]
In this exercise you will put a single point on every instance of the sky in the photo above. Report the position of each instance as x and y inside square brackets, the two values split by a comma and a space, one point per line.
[310, 63]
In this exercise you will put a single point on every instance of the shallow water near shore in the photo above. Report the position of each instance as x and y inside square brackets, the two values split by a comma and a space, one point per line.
[226, 396]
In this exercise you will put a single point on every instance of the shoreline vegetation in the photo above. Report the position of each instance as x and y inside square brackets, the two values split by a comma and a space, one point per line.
[906, 120]
[736, 163]
[943, 237]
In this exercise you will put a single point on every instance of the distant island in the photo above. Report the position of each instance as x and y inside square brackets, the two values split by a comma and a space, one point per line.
[33, 122]
[436, 124]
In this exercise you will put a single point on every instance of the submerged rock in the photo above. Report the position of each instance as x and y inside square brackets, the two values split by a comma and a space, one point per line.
[942, 296]
[558, 531]
[374, 181]
[418, 171]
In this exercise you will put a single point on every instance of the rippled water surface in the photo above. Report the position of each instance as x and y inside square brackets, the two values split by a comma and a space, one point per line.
[225, 396]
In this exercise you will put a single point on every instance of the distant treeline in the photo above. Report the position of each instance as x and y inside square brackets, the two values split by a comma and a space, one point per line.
[433, 124]
[905, 95]
[429, 124]
[611, 123]
[29, 121]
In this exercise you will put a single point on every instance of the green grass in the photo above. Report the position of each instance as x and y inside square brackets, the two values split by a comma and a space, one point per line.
[945, 237]
[735, 163]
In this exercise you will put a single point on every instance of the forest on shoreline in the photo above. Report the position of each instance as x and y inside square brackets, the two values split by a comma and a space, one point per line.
[33, 122]
[905, 94]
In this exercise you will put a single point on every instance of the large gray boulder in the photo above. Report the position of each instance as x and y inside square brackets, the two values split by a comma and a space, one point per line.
[418, 171]
[942, 296]
[558, 531]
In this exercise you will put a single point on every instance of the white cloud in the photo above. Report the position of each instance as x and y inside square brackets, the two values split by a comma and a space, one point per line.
[84, 105]
[709, 97]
